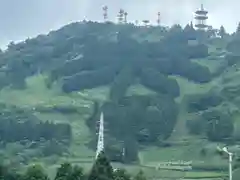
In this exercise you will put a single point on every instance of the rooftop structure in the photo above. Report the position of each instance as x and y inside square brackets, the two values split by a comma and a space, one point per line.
[201, 17]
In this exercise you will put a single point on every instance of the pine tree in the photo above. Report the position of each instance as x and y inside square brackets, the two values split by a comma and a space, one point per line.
[102, 169]
[189, 32]
[238, 29]
[63, 172]
[67, 172]
[121, 174]
[222, 32]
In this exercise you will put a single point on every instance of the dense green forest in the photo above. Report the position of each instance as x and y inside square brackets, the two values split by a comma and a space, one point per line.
[158, 87]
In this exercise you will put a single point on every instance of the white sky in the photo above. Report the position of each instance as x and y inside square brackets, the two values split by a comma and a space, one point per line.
[20, 19]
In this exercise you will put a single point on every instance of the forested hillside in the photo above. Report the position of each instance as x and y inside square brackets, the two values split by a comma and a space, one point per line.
[163, 92]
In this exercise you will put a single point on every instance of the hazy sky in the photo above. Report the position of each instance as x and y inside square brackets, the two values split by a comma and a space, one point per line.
[20, 19]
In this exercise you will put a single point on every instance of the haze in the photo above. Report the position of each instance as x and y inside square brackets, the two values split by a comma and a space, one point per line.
[21, 19]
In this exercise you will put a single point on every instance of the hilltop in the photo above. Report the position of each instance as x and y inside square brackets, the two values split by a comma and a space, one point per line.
[168, 94]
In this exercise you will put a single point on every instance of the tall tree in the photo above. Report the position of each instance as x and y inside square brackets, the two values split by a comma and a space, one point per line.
[222, 32]
[35, 172]
[102, 169]
[238, 29]
[121, 174]
[68, 172]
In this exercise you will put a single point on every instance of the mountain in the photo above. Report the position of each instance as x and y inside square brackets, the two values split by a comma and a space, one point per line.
[167, 94]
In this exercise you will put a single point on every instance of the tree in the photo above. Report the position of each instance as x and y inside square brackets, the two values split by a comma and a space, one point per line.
[140, 176]
[211, 32]
[35, 172]
[222, 32]
[67, 172]
[121, 174]
[219, 125]
[238, 29]
[102, 169]
[190, 32]
[7, 174]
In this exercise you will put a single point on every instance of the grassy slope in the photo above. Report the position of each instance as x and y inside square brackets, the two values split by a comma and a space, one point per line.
[37, 94]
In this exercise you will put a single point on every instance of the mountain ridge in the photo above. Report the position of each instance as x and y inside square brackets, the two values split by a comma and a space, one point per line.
[60, 76]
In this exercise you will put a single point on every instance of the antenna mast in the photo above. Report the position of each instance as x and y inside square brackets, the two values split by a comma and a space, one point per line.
[125, 17]
[105, 13]
[159, 19]
[120, 16]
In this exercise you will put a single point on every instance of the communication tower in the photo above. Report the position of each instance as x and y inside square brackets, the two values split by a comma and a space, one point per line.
[120, 16]
[105, 13]
[201, 17]
[159, 19]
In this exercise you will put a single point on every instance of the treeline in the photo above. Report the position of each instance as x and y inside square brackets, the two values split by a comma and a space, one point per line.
[21, 126]
[18, 124]
[13, 131]
[100, 170]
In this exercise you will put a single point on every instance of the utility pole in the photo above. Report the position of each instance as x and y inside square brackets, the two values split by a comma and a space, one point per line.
[230, 155]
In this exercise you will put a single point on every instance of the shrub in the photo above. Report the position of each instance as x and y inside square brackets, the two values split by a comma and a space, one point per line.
[160, 83]
[202, 102]
[91, 79]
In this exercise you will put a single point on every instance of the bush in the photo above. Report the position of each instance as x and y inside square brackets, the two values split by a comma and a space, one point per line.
[233, 46]
[160, 83]
[89, 80]
[121, 83]
[199, 51]
[202, 102]
[192, 71]
[219, 125]
[232, 59]
[231, 92]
